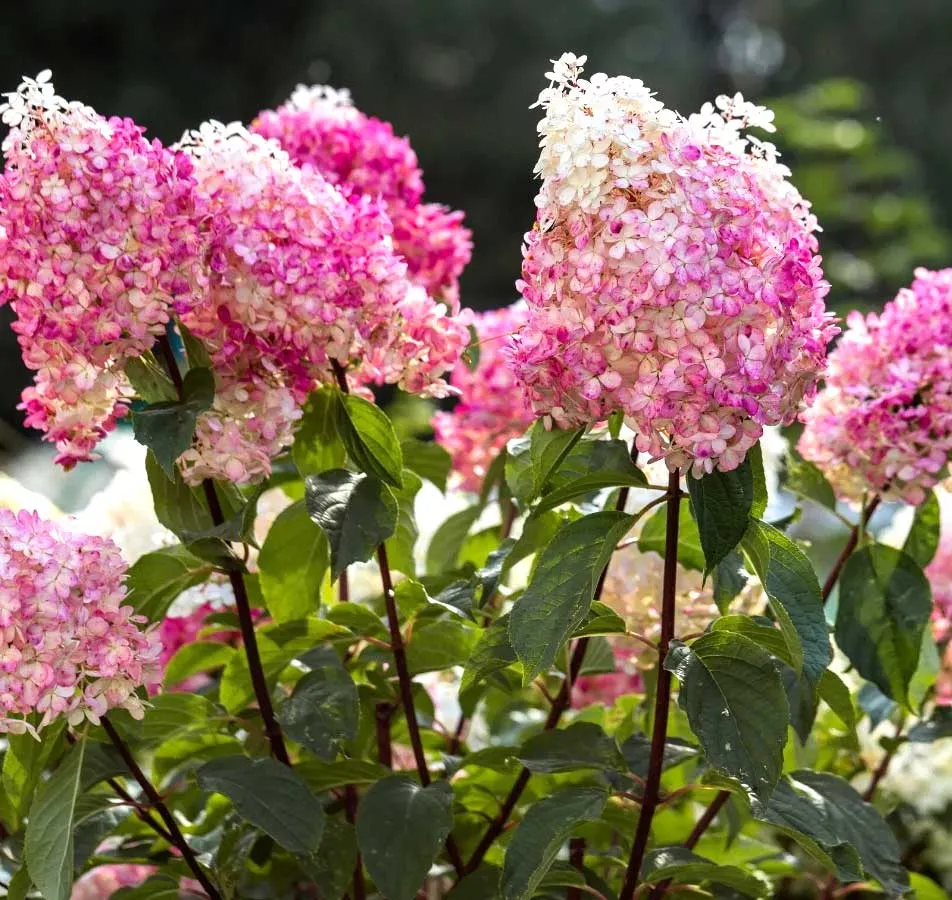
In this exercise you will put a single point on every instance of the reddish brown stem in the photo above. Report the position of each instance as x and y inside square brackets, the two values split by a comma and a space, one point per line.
[577, 859]
[350, 807]
[158, 804]
[850, 546]
[242, 604]
[382, 713]
[705, 821]
[659, 732]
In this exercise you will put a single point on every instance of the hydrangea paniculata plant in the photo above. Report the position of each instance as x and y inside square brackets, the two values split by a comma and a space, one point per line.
[99, 246]
[883, 421]
[69, 646]
[671, 273]
[492, 408]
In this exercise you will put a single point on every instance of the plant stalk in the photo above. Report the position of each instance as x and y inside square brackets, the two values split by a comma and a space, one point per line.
[178, 839]
[652, 790]
[249, 640]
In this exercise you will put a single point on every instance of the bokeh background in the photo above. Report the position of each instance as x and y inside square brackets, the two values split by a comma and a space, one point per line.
[861, 89]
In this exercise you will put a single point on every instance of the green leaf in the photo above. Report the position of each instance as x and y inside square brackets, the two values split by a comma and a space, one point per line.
[446, 544]
[938, 725]
[923, 539]
[637, 752]
[884, 607]
[149, 380]
[156, 579]
[592, 466]
[323, 711]
[277, 645]
[199, 656]
[736, 706]
[158, 887]
[401, 547]
[601, 619]
[332, 869]
[872, 701]
[428, 459]
[765, 636]
[835, 694]
[167, 427]
[401, 828]
[925, 888]
[322, 777]
[559, 596]
[316, 446]
[23, 765]
[682, 866]
[803, 700]
[439, 645]
[792, 588]
[270, 796]
[721, 502]
[370, 440]
[168, 715]
[832, 816]
[583, 745]
[20, 884]
[652, 537]
[806, 480]
[727, 580]
[356, 512]
[292, 564]
[48, 848]
[532, 460]
[492, 652]
[537, 840]
[178, 507]
[196, 354]
[483, 884]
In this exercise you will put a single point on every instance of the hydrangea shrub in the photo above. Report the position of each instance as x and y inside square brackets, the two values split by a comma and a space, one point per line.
[569, 645]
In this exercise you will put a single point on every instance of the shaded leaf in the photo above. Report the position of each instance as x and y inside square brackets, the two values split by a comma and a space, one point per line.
[583, 745]
[156, 579]
[199, 656]
[559, 596]
[428, 459]
[923, 539]
[492, 652]
[371, 442]
[884, 606]
[401, 828]
[806, 480]
[683, 866]
[356, 512]
[317, 446]
[721, 502]
[270, 796]
[323, 711]
[652, 537]
[532, 460]
[447, 542]
[736, 706]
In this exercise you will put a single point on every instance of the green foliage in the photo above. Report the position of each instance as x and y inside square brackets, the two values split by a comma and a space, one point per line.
[400, 830]
[884, 607]
[370, 440]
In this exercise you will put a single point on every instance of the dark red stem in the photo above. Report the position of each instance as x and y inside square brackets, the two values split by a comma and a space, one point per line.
[350, 807]
[577, 859]
[158, 804]
[652, 789]
[242, 604]
[850, 546]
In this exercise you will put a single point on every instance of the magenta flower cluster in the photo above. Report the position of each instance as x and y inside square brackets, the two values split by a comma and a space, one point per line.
[99, 246]
[883, 422]
[320, 128]
[492, 408]
[671, 273]
[69, 646]
[286, 277]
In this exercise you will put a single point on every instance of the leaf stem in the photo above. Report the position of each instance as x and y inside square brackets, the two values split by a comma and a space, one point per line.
[849, 547]
[350, 807]
[662, 691]
[175, 833]
[242, 604]
[577, 859]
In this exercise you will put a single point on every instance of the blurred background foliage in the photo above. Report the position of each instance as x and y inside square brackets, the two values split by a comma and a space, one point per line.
[858, 85]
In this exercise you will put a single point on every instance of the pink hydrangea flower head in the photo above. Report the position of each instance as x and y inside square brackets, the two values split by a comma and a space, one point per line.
[321, 128]
[99, 245]
[606, 688]
[939, 572]
[69, 647]
[492, 408]
[671, 273]
[883, 421]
